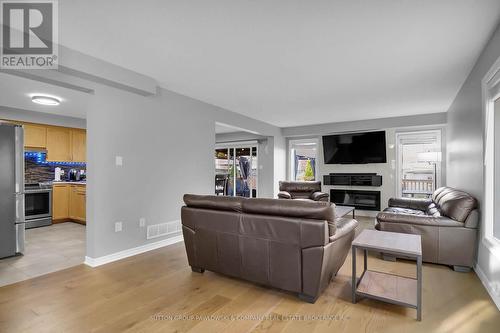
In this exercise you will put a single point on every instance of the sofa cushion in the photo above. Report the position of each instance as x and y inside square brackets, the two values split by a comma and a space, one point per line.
[214, 202]
[454, 203]
[408, 211]
[317, 210]
[308, 187]
[411, 203]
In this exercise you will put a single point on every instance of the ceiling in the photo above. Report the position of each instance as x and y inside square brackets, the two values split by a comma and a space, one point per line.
[16, 92]
[222, 128]
[285, 62]
[291, 62]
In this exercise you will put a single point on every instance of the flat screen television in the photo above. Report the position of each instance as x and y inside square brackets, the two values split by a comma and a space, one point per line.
[355, 148]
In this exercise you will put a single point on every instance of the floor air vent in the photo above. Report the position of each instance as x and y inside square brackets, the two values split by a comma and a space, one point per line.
[163, 229]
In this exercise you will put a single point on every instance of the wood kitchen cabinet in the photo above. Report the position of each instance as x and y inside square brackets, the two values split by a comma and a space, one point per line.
[63, 144]
[78, 145]
[69, 203]
[59, 144]
[77, 203]
[35, 136]
[60, 202]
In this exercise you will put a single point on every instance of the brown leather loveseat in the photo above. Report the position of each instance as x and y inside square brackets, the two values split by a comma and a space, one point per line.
[291, 245]
[302, 191]
[447, 223]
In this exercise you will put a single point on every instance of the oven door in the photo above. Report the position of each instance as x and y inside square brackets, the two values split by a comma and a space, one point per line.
[38, 204]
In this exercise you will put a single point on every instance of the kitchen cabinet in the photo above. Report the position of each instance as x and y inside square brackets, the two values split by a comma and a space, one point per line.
[63, 144]
[59, 144]
[78, 145]
[35, 136]
[77, 203]
[69, 203]
[60, 202]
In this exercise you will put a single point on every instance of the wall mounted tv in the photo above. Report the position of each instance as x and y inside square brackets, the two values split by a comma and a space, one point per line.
[355, 148]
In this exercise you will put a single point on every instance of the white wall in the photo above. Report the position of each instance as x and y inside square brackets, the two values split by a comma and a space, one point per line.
[465, 153]
[167, 143]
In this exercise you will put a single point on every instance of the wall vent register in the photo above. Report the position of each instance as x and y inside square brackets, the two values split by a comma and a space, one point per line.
[163, 229]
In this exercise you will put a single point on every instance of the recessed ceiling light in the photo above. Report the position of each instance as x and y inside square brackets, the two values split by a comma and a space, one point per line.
[45, 100]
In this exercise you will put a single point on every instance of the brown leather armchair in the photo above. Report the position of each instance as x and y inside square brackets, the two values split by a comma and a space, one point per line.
[302, 191]
[447, 223]
[287, 244]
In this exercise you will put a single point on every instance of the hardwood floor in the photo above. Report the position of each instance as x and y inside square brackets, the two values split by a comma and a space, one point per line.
[47, 249]
[139, 293]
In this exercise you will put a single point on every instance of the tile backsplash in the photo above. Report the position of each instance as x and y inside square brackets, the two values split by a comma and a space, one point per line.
[37, 169]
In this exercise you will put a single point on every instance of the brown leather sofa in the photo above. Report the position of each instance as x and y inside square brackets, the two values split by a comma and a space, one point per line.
[291, 245]
[447, 223]
[302, 191]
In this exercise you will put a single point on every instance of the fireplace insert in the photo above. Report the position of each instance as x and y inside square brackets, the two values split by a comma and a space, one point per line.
[364, 200]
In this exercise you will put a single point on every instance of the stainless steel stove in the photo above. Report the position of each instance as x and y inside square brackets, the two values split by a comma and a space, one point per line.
[38, 204]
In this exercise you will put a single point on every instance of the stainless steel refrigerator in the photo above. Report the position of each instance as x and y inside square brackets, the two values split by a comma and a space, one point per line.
[11, 189]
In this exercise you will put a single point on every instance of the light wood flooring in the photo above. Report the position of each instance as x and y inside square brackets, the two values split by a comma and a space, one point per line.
[47, 249]
[138, 294]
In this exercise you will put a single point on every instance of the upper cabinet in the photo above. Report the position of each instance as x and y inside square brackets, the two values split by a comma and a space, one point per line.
[35, 136]
[63, 144]
[78, 145]
[59, 144]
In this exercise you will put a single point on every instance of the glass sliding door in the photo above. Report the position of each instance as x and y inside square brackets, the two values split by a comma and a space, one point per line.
[222, 170]
[236, 171]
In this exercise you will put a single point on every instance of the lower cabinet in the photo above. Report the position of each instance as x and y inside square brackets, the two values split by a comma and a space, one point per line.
[60, 202]
[77, 203]
[69, 203]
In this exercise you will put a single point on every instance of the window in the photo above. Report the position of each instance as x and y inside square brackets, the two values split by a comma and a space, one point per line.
[491, 211]
[303, 157]
[419, 163]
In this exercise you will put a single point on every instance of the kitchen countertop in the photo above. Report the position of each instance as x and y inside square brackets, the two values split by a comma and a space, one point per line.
[68, 182]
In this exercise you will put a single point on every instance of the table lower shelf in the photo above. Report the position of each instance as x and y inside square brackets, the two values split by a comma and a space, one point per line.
[389, 288]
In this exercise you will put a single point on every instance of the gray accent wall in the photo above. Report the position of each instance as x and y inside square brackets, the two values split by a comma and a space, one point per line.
[167, 143]
[465, 152]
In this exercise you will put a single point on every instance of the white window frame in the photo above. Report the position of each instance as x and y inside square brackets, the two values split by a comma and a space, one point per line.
[439, 172]
[490, 93]
[291, 161]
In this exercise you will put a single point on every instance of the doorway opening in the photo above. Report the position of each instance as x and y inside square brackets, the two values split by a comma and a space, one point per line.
[50, 187]
[419, 158]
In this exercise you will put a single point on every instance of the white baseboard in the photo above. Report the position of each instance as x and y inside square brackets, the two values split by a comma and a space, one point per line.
[94, 262]
[487, 285]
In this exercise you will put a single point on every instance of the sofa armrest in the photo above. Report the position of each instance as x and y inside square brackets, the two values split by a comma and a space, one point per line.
[284, 195]
[343, 226]
[319, 196]
[411, 203]
[440, 221]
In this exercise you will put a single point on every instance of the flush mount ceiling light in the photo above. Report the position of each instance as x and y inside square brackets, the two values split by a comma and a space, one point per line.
[45, 100]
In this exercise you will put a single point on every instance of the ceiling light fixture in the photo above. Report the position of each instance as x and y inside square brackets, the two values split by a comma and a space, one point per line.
[45, 100]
